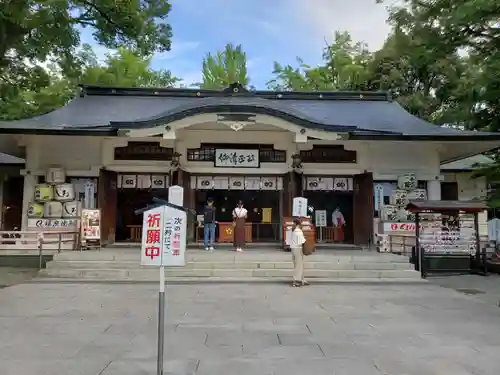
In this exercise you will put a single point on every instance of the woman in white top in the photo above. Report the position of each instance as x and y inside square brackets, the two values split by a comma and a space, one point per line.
[296, 242]
[239, 217]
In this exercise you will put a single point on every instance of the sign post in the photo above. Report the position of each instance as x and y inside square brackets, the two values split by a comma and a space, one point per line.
[163, 244]
[320, 222]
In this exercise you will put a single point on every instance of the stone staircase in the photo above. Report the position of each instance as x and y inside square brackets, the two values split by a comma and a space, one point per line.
[252, 265]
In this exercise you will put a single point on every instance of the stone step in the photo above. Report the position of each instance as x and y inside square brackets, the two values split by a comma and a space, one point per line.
[245, 265]
[231, 256]
[227, 280]
[151, 274]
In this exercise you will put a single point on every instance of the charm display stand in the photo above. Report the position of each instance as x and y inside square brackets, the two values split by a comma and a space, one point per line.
[447, 237]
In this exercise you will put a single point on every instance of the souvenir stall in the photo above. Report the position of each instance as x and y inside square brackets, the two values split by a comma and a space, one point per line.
[394, 219]
[447, 237]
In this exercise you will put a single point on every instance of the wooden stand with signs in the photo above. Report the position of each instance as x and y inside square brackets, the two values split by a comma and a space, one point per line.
[91, 228]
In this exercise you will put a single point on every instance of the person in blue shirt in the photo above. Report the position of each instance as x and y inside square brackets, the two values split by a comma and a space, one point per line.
[209, 225]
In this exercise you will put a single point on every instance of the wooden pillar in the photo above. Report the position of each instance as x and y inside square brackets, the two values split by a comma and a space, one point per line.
[292, 183]
[107, 202]
[363, 209]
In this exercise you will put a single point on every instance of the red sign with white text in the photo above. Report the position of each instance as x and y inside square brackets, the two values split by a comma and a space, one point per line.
[399, 227]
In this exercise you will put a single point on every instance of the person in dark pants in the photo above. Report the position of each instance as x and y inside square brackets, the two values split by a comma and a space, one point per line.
[209, 225]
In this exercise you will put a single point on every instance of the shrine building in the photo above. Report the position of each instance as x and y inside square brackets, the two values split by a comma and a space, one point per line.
[120, 147]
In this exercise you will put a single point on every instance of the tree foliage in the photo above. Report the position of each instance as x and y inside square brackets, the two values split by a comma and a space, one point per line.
[344, 67]
[124, 68]
[33, 32]
[471, 28]
[224, 68]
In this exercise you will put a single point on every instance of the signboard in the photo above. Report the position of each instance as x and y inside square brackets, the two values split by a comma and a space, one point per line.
[229, 158]
[91, 225]
[320, 218]
[378, 202]
[176, 195]
[89, 195]
[299, 207]
[163, 237]
[399, 227]
[59, 224]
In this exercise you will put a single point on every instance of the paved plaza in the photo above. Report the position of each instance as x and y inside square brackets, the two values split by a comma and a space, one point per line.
[110, 329]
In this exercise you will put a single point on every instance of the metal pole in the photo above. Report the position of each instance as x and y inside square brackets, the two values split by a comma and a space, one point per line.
[40, 251]
[161, 322]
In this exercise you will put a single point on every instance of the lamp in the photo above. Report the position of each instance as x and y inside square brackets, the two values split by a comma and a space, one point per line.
[176, 160]
[296, 161]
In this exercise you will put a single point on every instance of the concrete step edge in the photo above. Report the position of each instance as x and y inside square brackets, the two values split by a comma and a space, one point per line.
[213, 279]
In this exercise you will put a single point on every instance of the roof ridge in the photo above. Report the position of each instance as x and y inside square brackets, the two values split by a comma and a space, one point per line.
[263, 94]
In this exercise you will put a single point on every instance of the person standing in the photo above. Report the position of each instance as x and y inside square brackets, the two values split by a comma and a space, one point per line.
[209, 225]
[296, 243]
[338, 223]
[239, 218]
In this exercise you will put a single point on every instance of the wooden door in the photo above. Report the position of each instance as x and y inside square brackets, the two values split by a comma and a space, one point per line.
[107, 202]
[363, 209]
[13, 189]
[449, 191]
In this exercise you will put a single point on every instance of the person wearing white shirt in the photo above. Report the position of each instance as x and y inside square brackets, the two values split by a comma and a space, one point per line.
[338, 223]
[297, 240]
[239, 217]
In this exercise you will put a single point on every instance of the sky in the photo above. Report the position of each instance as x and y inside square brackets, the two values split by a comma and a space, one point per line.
[277, 30]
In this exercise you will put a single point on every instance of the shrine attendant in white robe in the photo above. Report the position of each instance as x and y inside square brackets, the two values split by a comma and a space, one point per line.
[338, 223]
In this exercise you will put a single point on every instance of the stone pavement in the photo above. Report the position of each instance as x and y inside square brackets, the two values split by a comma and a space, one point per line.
[15, 275]
[483, 288]
[110, 329]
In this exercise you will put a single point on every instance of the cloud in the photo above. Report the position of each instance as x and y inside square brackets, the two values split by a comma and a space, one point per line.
[178, 49]
[364, 19]
[190, 78]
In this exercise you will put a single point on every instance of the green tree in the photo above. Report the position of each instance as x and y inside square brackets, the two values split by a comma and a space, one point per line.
[471, 28]
[55, 93]
[224, 68]
[39, 31]
[427, 81]
[344, 67]
[126, 68]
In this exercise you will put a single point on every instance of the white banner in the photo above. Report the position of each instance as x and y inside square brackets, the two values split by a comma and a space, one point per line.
[252, 183]
[237, 183]
[205, 182]
[268, 183]
[314, 183]
[229, 158]
[378, 201]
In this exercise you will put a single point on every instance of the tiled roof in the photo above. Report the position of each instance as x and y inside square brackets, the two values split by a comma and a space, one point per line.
[359, 114]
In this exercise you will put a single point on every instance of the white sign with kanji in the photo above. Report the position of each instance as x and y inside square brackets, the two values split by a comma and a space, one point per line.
[163, 237]
[174, 237]
[299, 207]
